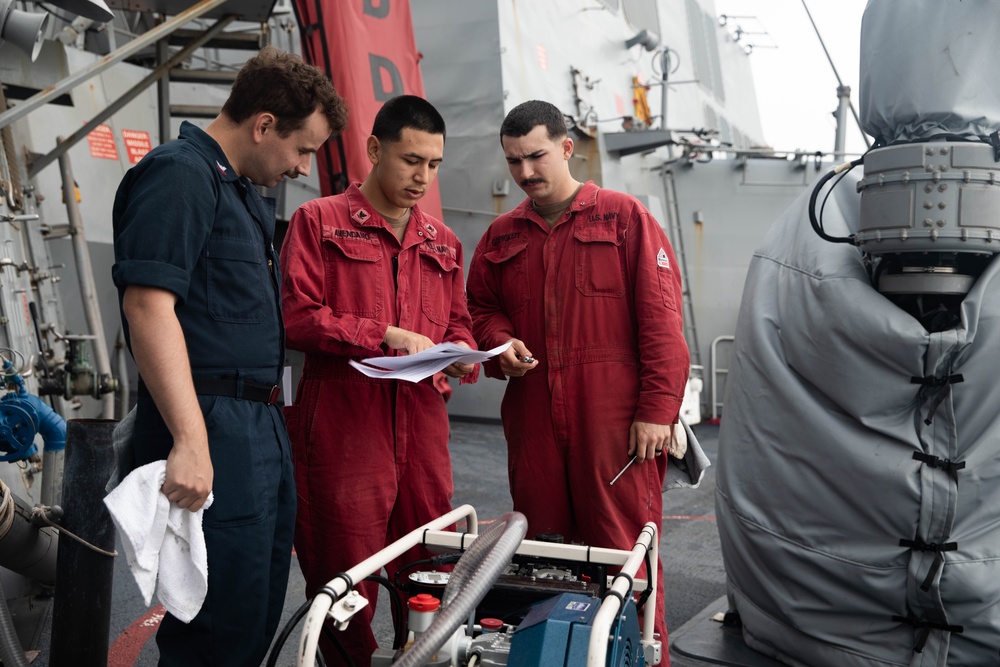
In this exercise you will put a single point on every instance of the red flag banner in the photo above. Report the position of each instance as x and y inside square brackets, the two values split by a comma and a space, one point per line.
[368, 49]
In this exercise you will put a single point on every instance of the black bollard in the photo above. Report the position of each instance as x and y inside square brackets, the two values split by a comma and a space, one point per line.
[81, 610]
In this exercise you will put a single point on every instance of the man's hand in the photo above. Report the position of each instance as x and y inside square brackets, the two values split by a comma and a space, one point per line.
[678, 445]
[189, 474]
[647, 440]
[457, 370]
[511, 360]
[407, 341]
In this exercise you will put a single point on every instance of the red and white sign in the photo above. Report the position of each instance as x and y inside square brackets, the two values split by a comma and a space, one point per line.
[102, 143]
[137, 144]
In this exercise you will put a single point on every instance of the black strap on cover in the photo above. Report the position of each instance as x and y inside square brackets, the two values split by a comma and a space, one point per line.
[918, 544]
[924, 626]
[951, 467]
[937, 383]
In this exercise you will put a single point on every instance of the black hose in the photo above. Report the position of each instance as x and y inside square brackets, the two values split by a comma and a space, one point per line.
[433, 561]
[817, 227]
[279, 643]
[648, 591]
[399, 619]
[337, 644]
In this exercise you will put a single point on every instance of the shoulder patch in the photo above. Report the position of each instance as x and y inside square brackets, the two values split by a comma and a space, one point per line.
[662, 260]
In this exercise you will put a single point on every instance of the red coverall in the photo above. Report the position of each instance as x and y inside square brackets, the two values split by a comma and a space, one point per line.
[596, 300]
[371, 456]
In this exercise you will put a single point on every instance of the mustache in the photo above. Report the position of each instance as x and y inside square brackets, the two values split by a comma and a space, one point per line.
[531, 181]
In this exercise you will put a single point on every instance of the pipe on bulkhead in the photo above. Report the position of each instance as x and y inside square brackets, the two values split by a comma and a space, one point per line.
[88, 288]
[27, 550]
[843, 108]
[24, 547]
[52, 428]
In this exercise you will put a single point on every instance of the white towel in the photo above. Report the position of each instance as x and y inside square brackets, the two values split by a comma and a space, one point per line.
[164, 544]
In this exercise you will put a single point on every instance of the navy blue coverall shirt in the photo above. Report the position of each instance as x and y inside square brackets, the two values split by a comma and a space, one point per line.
[185, 222]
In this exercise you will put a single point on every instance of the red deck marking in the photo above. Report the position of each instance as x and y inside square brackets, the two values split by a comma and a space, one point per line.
[688, 517]
[126, 649]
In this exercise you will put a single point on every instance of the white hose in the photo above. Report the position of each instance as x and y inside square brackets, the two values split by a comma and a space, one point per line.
[468, 584]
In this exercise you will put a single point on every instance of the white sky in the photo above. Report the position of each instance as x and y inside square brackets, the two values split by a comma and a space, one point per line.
[796, 86]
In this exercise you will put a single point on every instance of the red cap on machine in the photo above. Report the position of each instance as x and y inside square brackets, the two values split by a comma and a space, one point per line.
[490, 624]
[424, 602]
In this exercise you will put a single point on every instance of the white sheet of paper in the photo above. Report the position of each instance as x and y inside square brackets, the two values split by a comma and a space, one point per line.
[416, 367]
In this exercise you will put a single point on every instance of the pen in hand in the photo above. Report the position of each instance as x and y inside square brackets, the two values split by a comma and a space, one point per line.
[630, 462]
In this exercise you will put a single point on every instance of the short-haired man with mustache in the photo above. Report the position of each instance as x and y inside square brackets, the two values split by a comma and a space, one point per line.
[367, 272]
[583, 281]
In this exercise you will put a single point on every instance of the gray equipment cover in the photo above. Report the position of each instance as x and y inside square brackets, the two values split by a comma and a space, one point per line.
[817, 481]
[929, 68]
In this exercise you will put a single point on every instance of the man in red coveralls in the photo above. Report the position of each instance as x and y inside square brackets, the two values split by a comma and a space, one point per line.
[583, 281]
[366, 273]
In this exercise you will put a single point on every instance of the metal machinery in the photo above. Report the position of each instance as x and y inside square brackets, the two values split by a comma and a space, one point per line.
[929, 193]
[863, 390]
[928, 222]
[22, 417]
[509, 601]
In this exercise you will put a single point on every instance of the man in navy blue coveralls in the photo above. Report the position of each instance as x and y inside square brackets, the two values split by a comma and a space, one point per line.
[197, 277]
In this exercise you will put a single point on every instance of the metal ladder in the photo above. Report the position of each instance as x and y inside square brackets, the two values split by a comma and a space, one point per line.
[676, 238]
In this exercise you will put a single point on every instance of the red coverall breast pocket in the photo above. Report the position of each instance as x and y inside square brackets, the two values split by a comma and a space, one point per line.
[599, 270]
[354, 269]
[509, 260]
[437, 275]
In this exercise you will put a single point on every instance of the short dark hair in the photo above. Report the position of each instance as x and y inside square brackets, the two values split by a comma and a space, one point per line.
[526, 116]
[281, 84]
[406, 111]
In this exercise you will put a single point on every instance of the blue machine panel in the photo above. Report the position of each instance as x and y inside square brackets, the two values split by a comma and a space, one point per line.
[557, 632]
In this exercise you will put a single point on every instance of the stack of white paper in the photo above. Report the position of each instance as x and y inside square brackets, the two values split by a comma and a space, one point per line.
[416, 367]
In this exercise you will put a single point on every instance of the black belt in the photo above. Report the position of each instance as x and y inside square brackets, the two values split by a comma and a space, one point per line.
[231, 388]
